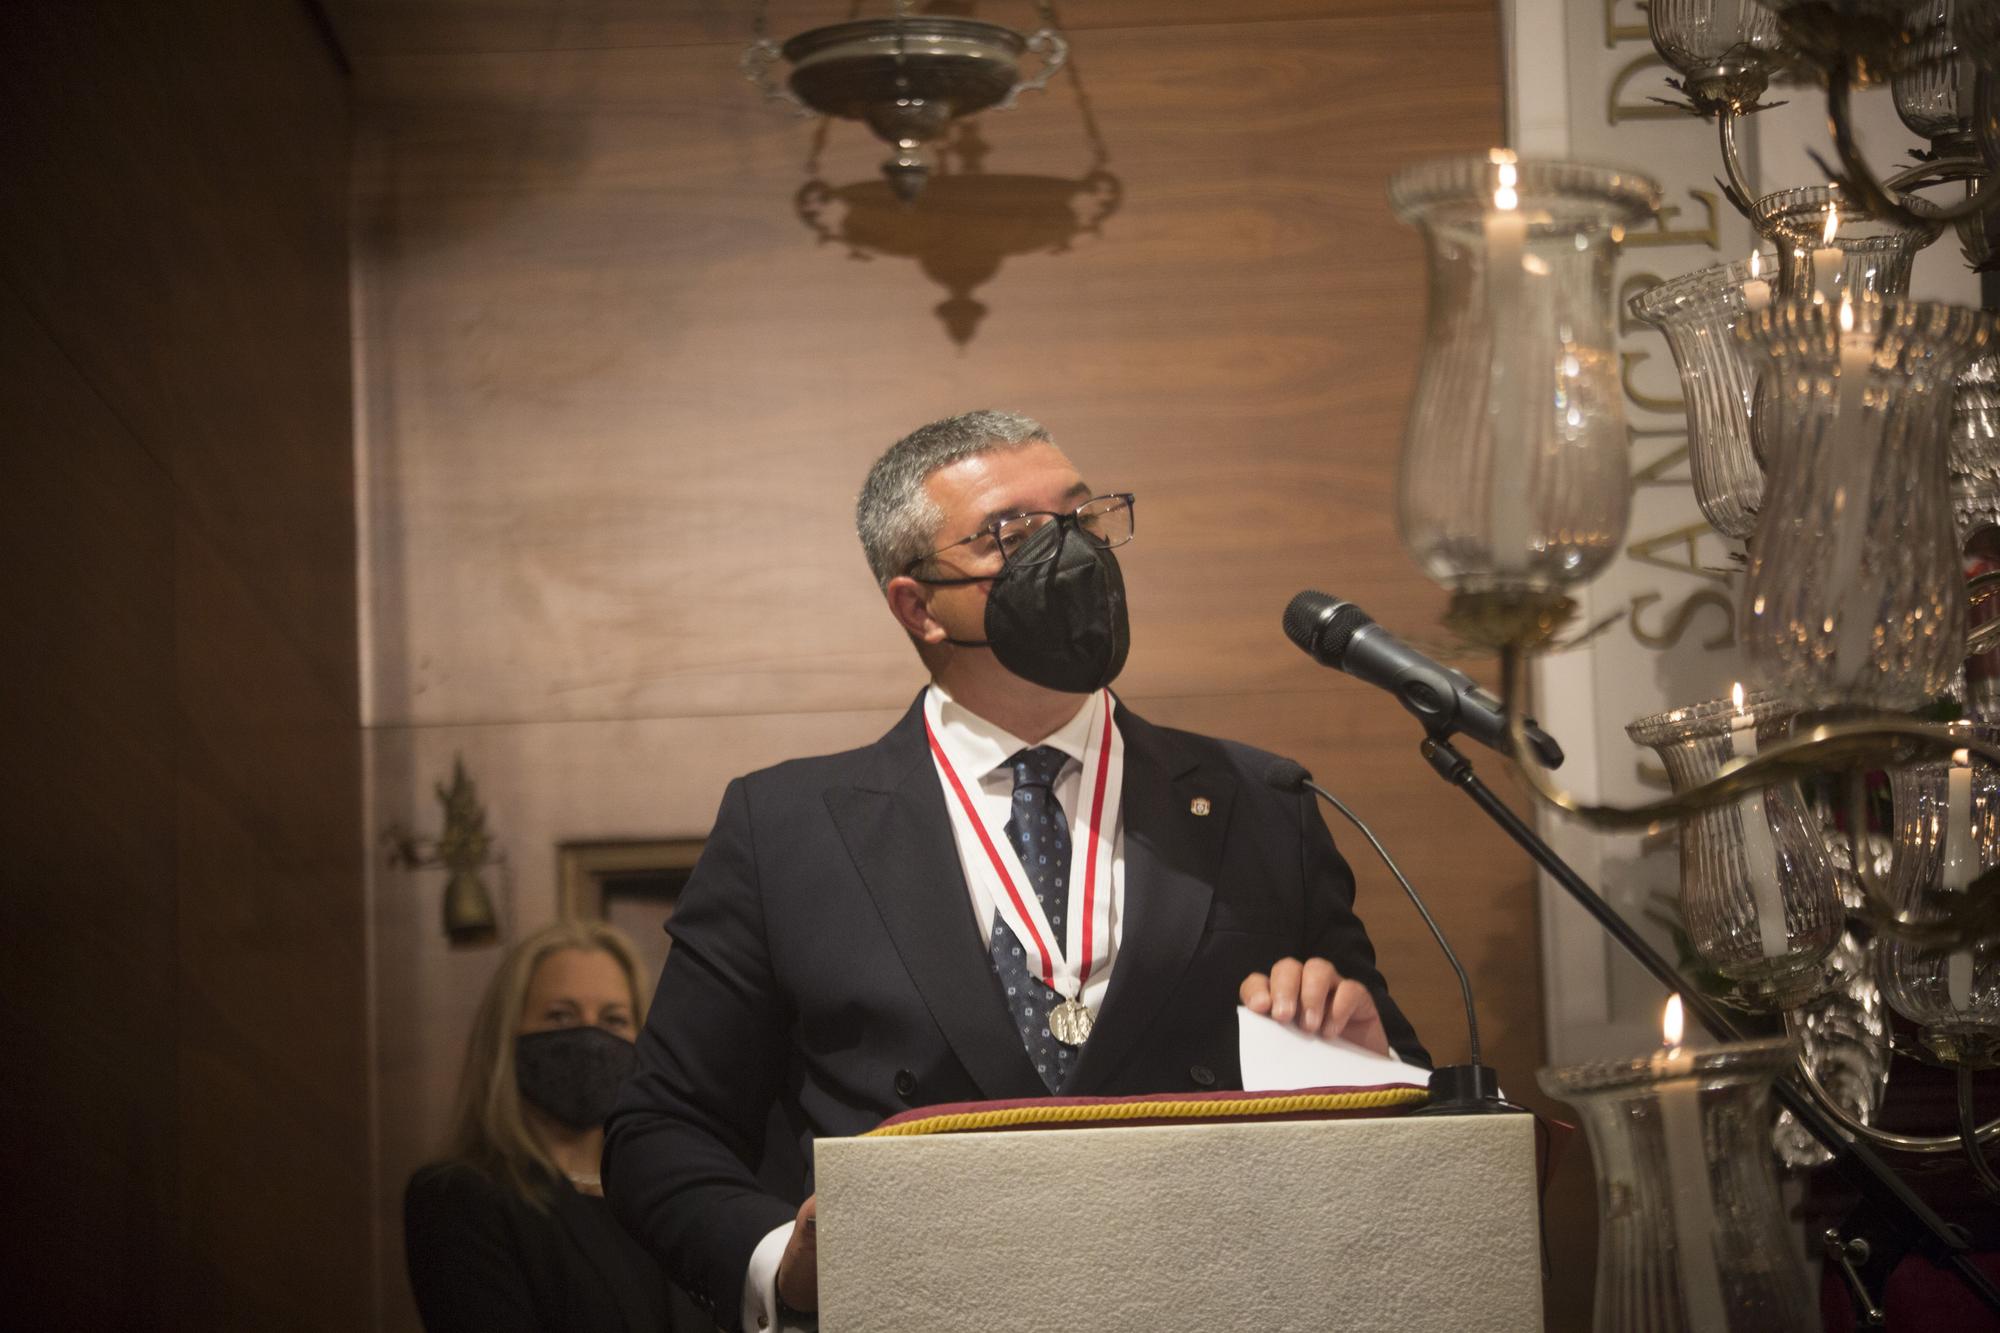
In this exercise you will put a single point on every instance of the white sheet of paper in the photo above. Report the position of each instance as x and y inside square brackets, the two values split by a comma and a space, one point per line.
[1277, 1057]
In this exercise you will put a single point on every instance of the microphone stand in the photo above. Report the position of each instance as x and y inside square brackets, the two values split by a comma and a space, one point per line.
[1880, 1187]
[1468, 1089]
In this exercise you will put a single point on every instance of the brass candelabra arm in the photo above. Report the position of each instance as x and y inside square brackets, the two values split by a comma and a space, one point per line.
[1975, 922]
[1860, 182]
[1735, 182]
[1968, 1133]
[1872, 741]
[1519, 624]
[1884, 1138]
[1938, 171]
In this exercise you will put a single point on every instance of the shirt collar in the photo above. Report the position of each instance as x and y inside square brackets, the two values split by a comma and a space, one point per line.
[976, 747]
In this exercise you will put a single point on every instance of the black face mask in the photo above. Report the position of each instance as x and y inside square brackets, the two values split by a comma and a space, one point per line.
[1059, 624]
[573, 1074]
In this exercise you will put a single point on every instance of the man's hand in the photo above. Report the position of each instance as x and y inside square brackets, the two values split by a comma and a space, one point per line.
[1313, 997]
[798, 1269]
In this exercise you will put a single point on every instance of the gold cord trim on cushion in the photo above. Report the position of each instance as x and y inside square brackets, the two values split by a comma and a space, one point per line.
[1013, 1117]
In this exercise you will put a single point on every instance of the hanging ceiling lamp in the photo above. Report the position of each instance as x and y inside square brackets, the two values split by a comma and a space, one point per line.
[909, 76]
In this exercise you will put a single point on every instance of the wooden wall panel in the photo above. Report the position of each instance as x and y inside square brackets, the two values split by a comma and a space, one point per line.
[618, 397]
[87, 817]
[186, 933]
[618, 354]
[375, 29]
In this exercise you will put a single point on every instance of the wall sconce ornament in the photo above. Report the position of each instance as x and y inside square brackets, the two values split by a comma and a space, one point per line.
[463, 849]
[972, 223]
[909, 76]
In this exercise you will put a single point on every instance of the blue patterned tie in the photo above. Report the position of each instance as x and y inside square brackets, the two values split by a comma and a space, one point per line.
[1039, 833]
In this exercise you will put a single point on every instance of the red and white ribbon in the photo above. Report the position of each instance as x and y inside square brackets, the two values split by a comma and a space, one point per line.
[1093, 833]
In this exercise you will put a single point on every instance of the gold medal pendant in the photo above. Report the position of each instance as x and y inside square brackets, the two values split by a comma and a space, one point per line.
[1069, 1022]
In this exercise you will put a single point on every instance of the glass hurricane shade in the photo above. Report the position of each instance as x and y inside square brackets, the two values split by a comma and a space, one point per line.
[1868, 38]
[1757, 893]
[1876, 255]
[1697, 314]
[1692, 34]
[1936, 85]
[1724, 50]
[1974, 456]
[1514, 472]
[1691, 1233]
[1947, 834]
[1855, 596]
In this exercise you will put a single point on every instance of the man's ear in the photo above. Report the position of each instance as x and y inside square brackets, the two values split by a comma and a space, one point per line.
[911, 607]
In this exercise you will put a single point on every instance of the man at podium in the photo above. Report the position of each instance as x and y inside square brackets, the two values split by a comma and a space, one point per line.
[1022, 890]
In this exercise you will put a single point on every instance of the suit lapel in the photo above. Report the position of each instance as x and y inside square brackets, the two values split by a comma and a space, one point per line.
[1171, 857]
[898, 834]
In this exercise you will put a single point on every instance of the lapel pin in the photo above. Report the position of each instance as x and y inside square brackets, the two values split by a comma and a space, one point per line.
[1199, 806]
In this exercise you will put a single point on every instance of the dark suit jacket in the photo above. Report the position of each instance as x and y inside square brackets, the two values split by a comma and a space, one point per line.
[826, 962]
[483, 1259]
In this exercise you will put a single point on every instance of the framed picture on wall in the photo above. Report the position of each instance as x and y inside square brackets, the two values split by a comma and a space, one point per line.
[630, 883]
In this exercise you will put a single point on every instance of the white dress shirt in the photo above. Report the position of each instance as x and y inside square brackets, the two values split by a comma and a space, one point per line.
[979, 751]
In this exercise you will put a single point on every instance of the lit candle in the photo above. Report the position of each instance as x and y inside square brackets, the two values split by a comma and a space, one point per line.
[1829, 259]
[1687, 1173]
[1756, 288]
[1760, 850]
[1853, 464]
[1961, 867]
[1506, 253]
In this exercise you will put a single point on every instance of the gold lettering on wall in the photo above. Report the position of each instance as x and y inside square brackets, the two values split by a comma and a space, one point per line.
[1682, 619]
[1655, 472]
[1630, 361]
[1617, 111]
[1616, 32]
[1634, 285]
[1682, 553]
[1709, 235]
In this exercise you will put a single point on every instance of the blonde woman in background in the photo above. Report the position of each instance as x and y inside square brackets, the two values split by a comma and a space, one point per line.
[510, 1231]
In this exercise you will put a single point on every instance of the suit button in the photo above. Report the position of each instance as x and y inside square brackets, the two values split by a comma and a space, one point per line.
[906, 1084]
[1203, 1076]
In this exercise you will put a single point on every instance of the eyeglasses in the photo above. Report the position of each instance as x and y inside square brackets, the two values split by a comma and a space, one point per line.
[1104, 521]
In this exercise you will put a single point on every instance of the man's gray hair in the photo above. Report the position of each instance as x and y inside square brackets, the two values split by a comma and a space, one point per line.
[895, 516]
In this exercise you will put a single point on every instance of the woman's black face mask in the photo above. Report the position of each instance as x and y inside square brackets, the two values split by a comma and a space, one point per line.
[573, 1074]
[1059, 623]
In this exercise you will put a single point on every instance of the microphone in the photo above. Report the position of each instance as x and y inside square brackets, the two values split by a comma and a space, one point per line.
[1467, 1089]
[1343, 636]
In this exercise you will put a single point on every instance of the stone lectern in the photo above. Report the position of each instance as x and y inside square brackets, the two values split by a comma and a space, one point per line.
[1395, 1225]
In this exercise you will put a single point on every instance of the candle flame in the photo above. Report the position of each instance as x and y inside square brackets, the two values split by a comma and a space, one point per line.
[1846, 314]
[1832, 224]
[1756, 263]
[1961, 759]
[1736, 695]
[1672, 1022]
